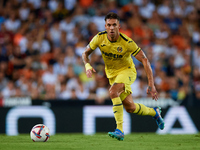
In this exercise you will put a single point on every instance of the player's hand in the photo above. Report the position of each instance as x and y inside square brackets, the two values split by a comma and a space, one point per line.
[152, 91]
[90, 72]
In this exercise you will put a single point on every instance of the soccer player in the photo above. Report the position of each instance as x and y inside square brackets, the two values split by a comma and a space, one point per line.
[116, 49]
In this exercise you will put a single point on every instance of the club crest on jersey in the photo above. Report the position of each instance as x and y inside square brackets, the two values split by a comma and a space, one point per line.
[119, 49]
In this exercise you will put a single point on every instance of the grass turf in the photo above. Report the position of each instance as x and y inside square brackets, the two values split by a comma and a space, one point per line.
[101, 141]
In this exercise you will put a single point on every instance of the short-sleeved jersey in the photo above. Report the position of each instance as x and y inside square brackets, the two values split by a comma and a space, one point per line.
[116, 55]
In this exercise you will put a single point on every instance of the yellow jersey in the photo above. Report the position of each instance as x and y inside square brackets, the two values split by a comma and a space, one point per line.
[116, 55]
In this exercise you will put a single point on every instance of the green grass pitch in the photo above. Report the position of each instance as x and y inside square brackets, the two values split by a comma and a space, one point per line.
[101, 141]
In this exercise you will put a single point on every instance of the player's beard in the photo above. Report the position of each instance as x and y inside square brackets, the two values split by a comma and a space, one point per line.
[112, 35]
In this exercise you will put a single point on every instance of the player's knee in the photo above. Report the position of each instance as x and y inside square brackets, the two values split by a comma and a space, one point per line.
[131, 109]
[113, 93]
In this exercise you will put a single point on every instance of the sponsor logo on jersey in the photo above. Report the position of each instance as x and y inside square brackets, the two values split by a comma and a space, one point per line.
[112, 55]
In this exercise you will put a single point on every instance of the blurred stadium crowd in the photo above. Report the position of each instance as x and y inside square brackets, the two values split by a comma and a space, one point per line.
[41, 43]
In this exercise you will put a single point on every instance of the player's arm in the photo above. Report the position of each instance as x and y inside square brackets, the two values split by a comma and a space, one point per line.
[151, 88]
[85, 57]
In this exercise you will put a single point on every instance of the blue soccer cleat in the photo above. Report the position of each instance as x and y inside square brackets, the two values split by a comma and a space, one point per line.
[117, 134]
[159, 120]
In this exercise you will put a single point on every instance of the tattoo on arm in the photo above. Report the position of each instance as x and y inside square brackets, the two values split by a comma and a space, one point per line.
[143, 56]
[150, 88]
[140, 56]
[144, 60]
[86, 54]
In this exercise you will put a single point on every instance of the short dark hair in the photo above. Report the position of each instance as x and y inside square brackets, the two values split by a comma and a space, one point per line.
[112, 15]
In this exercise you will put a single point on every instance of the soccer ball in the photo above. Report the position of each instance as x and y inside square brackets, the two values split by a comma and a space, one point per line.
[40, 133]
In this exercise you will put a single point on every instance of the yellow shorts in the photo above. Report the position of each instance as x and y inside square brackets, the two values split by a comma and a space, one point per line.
[127, 77]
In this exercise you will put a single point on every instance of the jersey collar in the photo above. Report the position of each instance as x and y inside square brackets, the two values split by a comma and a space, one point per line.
[114, 41]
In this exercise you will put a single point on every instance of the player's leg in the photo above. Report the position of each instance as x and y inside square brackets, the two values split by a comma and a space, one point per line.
[129, 77]
[118, 87]
[137, 108]
[115, 90]
[143, 110]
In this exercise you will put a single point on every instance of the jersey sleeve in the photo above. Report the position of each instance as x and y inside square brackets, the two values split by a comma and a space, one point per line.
[94, 42]
[132, 46]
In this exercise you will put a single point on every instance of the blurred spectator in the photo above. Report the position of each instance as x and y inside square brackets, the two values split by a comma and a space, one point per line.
[146, 9]
[9, 90]
[66, 24]
[73, 37]
[124, 29]
[80, 18]
[59, 67]
[173, 85]
[34, 94]
[80, 46]
[48, 76]
[53, 4]
[55, 34]
[47, 19]
[63, 43]
[12, 23]
[179, 59]
[70, 4]
[196, 35]
[36, 3]
[162, 32]
[24, 11]
[82, 92]
[112, 6]
[70, 57]
[64, 94]
[165, 8]
[172, 21]
[158, 48]
[182, 8]
[20, 38]
[154, 23]
[40, 43]
[61, 12]
[18, 59]
[78, 67]
[92, 30]
[6, 36]
[98, 19]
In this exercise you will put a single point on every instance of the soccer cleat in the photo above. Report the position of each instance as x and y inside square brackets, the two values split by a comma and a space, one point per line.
[159, 120]
[117, 134]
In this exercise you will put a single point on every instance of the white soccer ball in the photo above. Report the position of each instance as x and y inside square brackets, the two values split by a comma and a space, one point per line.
[40, 133]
